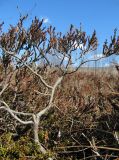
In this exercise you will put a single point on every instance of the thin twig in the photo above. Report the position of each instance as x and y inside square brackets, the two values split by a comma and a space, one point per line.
[85, 146]
[44, 94]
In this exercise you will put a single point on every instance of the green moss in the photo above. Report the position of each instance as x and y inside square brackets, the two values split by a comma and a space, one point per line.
[10, 150]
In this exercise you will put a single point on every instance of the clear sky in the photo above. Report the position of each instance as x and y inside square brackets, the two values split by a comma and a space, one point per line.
[101, 15]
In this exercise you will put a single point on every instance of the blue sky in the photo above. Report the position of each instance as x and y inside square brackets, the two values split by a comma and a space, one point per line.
[101, 15]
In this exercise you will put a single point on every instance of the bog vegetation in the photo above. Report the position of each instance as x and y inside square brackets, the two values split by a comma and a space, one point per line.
[49, 108]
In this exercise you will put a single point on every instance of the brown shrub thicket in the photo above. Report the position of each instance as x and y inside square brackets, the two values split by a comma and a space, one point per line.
[86, 113]
[47, 101]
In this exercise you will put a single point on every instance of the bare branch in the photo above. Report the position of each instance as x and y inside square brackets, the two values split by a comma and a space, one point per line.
[41, 78]
[51, 98]
[4, 88]
[6, 107]
[83, 62]
[38, 75]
